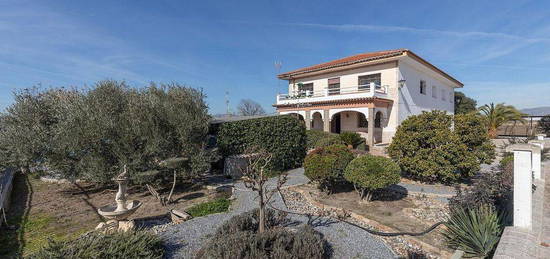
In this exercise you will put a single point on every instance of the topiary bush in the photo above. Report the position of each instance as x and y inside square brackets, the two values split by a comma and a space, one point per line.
[426, 149]
[369, 173]
[317, 138]
[238, 238]
[282, 136]
[133, 244]
[326, 165]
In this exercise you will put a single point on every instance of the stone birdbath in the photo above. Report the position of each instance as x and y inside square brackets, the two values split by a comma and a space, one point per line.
[123, 208]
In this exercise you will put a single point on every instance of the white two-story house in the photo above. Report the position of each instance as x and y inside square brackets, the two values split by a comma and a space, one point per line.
[369, 93]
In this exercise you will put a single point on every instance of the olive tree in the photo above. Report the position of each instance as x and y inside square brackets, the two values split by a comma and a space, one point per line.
[91, 133]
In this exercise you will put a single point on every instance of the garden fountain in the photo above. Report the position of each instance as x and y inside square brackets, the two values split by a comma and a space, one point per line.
[123, 209]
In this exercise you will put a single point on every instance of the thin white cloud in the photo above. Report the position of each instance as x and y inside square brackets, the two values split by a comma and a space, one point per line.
[385, 28]
[521, 95]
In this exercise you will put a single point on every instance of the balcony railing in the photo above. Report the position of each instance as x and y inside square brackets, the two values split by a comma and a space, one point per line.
[367, 90]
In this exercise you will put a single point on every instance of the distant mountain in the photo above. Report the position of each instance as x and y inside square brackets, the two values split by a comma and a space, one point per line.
[537, 111]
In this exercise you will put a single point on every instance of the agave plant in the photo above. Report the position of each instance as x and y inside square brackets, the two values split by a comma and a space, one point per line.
[475, 231]
[499, 114]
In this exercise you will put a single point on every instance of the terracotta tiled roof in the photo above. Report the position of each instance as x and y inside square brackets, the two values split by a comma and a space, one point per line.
[346, 61]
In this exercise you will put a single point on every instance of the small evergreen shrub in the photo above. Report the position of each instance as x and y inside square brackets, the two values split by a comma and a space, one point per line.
[249, 221]
[426, 149]
[238, 238]
[352, 139]
[211, 207]
[133, 244]
[369, 173]
[326, 165]
[317, 138]
[476, 231]
[282, 136]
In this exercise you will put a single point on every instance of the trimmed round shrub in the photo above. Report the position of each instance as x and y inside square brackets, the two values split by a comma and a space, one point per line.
[326, 165]
[238, 238]
[352, 139]
[133, 244]
[282, 136]
[426, 149]
[369, 173]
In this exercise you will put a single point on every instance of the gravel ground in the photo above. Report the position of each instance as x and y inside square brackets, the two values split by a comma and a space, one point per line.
[347, 241]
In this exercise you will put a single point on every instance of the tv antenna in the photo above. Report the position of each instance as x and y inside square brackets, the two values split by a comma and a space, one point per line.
[278, 65]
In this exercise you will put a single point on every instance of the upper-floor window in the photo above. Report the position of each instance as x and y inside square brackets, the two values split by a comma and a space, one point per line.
[334, 86]
[365, 81]
[422, 87]
[305, 87]
[434, 91]
[451, 97]
[443, 94]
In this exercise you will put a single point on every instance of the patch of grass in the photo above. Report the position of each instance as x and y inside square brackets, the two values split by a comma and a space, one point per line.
[210, 207]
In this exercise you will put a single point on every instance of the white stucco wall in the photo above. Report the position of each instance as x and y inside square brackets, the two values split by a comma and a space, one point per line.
[411, 101]
[348, 78]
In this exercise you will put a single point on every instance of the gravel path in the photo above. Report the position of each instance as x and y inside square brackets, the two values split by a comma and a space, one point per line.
[184, 239]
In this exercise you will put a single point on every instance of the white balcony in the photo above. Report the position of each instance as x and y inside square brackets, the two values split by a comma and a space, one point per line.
[332, 94]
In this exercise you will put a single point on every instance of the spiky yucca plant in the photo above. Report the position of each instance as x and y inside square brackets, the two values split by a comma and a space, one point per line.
[475, 231]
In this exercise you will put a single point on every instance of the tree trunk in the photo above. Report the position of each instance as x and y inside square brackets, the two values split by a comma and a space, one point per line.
[172, 190]
[261, 227]
[369, 196]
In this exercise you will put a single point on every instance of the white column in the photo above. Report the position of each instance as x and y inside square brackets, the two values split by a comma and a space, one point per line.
[537, 159]
[307, 120]
[523, 191]
[372, 88]
[326, 121]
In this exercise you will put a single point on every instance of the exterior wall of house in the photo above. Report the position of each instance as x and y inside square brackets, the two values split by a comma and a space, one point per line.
[411, 101]
[350, 78]
[405, 101]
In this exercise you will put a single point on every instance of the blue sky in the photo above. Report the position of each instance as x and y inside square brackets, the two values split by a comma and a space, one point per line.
[500, 50]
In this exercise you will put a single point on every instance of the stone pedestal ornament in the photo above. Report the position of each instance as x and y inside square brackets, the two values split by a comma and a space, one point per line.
[119, 212]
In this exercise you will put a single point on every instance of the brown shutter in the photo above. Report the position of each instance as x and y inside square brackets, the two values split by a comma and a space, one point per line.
[334, 81]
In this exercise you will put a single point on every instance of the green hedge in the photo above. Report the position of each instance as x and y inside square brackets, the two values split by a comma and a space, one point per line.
[283, 136]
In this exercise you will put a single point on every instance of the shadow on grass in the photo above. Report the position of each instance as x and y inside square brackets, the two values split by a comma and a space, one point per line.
[13, 237]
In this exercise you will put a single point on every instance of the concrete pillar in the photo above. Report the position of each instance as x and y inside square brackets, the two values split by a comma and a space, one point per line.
[307, 120]
[326, 121]
[370, 133]
[523, 182]
[537, 158]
